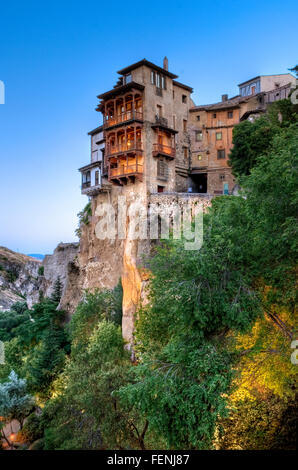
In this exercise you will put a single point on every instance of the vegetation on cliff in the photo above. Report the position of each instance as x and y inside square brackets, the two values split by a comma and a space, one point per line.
[213, 343]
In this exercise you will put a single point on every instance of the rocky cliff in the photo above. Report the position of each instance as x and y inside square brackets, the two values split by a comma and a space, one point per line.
[20, 278]
[102, 262]
[63, 263]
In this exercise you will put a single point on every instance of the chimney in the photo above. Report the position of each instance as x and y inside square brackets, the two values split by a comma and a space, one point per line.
[224, 98]
[166, 63]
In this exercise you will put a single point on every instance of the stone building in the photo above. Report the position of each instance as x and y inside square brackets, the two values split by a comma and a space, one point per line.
[145, 123]
[155, 146]
[211, 130]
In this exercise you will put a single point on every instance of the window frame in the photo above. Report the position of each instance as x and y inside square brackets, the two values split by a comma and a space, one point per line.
[219, 152]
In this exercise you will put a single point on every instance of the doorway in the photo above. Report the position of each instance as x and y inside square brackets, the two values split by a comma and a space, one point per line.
[199, 182]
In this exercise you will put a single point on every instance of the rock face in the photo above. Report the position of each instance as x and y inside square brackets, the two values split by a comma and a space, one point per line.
[63, 263]
[102, 261]
[19, 278]
[23, 278]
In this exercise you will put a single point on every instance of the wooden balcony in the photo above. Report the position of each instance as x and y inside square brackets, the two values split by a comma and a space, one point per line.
[123, 148]
[123, 117]
[86, 185]
[165, 150]
[124, 173]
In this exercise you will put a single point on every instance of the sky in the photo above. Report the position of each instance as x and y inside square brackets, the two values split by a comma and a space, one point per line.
[57, 56]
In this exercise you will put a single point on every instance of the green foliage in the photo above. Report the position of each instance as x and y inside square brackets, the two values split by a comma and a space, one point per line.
[10, 320]
[12, 274]
[57, 290]
[33, 428]
[84, 218]
[94, 420]
[264, 423]
[271, 210]
[250, 140]
[15, 402]
[199, 301]
[36, 344]
[41, 270]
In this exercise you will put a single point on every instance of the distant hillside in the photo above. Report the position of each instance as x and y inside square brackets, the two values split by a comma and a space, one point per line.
[19, 278]
[37, 256]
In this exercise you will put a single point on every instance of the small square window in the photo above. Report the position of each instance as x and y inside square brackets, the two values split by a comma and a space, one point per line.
[184, 99]
[218, 135]
[198, 117]
[185, 151]
[230, 114]
[221, 154]
[199, 136]
[184, 125]
[221, 177]
[214, 115]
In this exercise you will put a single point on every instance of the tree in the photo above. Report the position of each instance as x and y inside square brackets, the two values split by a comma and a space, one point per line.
[36, 345]
[57, 290]
[192, 337]
[15, 402]
[250, 140]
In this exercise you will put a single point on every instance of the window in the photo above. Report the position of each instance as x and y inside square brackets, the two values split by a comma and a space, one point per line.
[214, 115]
[159, 111]
[96, 177]
[184, 125]
[218, 135]
[158, 80]
[185, 152]
[230, 114]
[174, 121]
[253, 90]
[221, 154]
[162, 170]
[221, 177]
[198, 117]
[184, 99]
[160, 189]
[199, 136]
[173, 94]
[127, 78]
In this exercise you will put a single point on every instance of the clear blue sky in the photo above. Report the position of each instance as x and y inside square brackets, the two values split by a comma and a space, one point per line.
[55, 57]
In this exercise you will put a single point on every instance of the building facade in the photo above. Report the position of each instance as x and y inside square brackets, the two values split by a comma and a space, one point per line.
[211, 130]
[154, 138]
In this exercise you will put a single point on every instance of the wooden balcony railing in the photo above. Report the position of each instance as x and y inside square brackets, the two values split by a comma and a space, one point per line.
[125, 170]
[87, 184]
[126, 147]
[119, 118]
[164, 150]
